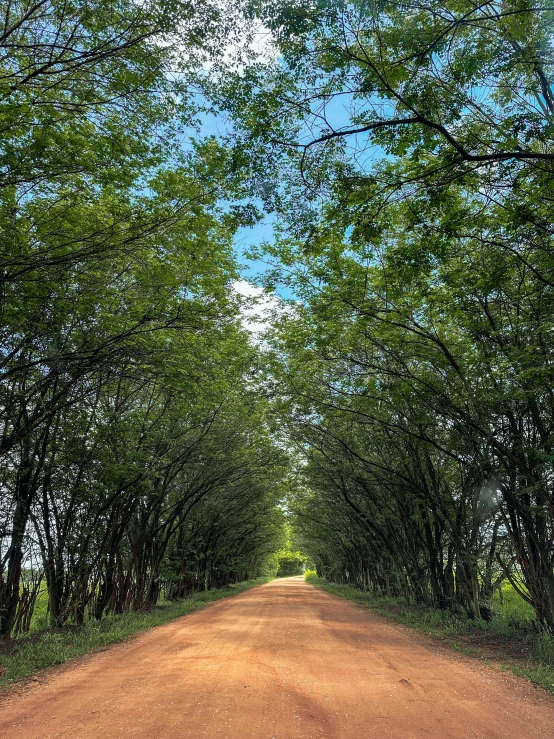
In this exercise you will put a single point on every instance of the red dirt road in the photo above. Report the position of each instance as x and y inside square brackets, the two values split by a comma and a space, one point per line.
[281, 661]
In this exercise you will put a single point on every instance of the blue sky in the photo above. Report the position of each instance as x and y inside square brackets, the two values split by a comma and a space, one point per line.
[338, 113]
[218, 126]
[253, 268]
[247, 237]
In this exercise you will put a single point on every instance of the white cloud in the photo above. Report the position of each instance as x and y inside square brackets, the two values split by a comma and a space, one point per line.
[253, 43]
[257, 307]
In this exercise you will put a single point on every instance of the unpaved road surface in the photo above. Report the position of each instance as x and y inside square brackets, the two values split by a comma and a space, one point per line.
[282, 661]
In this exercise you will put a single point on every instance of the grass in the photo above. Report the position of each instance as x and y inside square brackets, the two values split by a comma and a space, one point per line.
[24, 656]
[39, 619]
[510, 639]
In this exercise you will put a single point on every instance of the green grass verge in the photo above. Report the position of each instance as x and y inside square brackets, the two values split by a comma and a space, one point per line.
[30, 653]
[513, 622]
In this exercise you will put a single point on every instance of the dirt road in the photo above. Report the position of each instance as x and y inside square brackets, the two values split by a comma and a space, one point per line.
[282, 661]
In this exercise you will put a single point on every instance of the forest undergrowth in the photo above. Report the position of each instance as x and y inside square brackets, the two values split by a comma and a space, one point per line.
[510, 641]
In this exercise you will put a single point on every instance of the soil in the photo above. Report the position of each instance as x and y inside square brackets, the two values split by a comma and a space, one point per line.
[281, 661]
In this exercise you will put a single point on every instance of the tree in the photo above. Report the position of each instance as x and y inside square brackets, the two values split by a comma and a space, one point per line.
[122, 360]
[412, 153]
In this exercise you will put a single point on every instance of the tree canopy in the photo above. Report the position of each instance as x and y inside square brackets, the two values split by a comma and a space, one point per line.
[411, 152]
[395, 424]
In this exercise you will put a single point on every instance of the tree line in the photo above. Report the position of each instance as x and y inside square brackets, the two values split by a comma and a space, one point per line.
[411, 148]
[136, 458]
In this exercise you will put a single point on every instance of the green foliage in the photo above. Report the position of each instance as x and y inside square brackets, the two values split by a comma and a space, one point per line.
[135, 449]
[39, 621]
[512, 612]
[411, 154]
[541, 674]
[290, 563]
